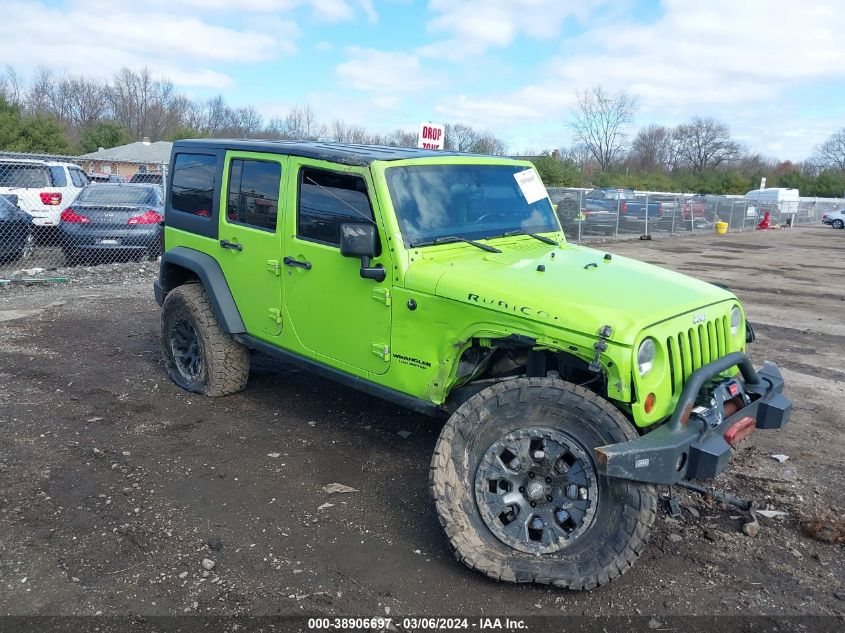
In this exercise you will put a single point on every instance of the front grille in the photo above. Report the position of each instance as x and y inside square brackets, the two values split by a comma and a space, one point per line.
[694, 348]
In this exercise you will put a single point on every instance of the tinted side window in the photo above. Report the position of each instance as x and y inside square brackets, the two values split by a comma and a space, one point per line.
[253, 193]
[327, 200]
[75, 178]
[192, 188]
[82, 177]
[57, 175]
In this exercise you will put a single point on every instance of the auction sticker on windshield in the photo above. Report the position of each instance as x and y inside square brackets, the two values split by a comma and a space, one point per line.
[530, 185]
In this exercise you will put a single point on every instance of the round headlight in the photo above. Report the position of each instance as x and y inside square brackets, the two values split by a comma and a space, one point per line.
[645, 356]
[736, 319]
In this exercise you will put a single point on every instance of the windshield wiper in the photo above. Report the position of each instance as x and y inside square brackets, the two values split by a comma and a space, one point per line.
[542, 238]
[449, 239]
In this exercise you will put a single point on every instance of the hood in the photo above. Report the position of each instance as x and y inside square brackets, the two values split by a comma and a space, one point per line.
[578, 289]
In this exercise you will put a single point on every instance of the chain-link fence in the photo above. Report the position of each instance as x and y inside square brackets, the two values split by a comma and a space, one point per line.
[596, 214]
[59, 211]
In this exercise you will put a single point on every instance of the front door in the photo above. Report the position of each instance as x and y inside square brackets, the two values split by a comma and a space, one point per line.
[250, 242]
[336, 316]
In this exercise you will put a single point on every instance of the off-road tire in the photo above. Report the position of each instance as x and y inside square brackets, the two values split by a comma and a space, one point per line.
[625, 510]
[224, 366]
[838, 224]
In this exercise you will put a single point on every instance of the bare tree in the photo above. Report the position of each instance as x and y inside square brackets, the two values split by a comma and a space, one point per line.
[600, 121]
[10, 86]
[461, 137]
[301, 124]
[831, 153]
[579, 154]
[704, 142]
[144, 105]
[652, 149]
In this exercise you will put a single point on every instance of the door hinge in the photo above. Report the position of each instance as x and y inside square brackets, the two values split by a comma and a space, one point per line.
[274, 267]
[276, 315]
[382, 295]
[382, 350]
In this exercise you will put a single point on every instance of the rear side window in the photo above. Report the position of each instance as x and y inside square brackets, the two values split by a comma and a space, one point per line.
[25, 176]
[253, 193]
[327, 200]
[76, 178]
[57, 175]
[192, 186]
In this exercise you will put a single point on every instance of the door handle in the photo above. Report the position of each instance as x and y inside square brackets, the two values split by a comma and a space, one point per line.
[233, 245]
[289, 261]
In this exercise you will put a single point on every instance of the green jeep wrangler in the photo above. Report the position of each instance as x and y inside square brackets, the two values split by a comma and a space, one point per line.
[574, 380]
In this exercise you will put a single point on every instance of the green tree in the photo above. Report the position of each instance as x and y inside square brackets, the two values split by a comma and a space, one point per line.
[557, 173]
[103, 134]
[39, 134]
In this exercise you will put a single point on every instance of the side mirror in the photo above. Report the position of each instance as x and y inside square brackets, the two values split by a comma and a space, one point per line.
[360, 240]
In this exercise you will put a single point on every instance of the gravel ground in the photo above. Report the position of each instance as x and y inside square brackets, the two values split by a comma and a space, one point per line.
[121, 494]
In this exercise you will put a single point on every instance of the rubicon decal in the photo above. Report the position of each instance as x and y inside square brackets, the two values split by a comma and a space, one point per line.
[503, 305]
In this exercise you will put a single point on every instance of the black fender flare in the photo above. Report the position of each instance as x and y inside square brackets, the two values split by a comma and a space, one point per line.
[210, 275]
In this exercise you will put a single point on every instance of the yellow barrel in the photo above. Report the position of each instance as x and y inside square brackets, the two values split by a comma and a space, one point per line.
[721, 228]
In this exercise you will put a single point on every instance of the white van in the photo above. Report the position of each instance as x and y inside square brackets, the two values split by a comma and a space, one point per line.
[44, 187]
[777, 200]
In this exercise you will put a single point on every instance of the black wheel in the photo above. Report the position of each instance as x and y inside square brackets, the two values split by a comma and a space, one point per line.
[199, 356]
[838, 224]
[73, 257]
[517, 491]
[27, 249]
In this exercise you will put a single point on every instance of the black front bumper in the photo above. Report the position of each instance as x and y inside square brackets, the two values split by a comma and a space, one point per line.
[687, 446]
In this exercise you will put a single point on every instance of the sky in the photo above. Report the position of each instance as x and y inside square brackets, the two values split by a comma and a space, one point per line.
[773, 70]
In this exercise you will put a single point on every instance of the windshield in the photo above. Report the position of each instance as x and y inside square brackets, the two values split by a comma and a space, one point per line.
[466, 201]
[620, 195]
[116, 194]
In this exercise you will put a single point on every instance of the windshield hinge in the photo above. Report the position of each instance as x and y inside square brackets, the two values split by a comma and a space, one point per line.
[274, 267]
[605, 332]
[382, 295]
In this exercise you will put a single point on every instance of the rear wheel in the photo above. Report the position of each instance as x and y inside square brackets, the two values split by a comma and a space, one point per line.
[517, 490]
[838, 224]
[199, 356]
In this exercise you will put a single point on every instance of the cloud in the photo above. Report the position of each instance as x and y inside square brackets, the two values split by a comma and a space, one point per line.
[383, 72]
[470, 27]
[100, 42]
[329, 10]
[719, 58]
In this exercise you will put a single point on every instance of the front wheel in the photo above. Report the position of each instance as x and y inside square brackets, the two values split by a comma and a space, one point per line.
[518, 494]
[838, 224]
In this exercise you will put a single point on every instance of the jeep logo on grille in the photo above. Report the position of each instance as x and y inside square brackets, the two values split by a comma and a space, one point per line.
[699, 318]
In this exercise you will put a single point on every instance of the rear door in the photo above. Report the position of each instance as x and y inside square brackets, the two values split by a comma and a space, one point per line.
[250, 238]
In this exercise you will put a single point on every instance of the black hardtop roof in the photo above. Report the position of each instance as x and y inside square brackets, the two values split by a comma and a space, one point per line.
[349, 154]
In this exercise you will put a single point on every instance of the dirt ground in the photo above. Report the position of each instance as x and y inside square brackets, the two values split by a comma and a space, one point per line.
[115, 485]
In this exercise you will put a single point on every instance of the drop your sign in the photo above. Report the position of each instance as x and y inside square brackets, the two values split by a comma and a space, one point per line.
[432, 136]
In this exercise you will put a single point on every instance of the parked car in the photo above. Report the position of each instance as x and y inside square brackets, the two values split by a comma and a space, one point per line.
[152, 177]
[836, 219]
[44, 187]
[107, 220]
[576, 219]
[625, 202]
[16, 236]
[575, 381]
[98, 177]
